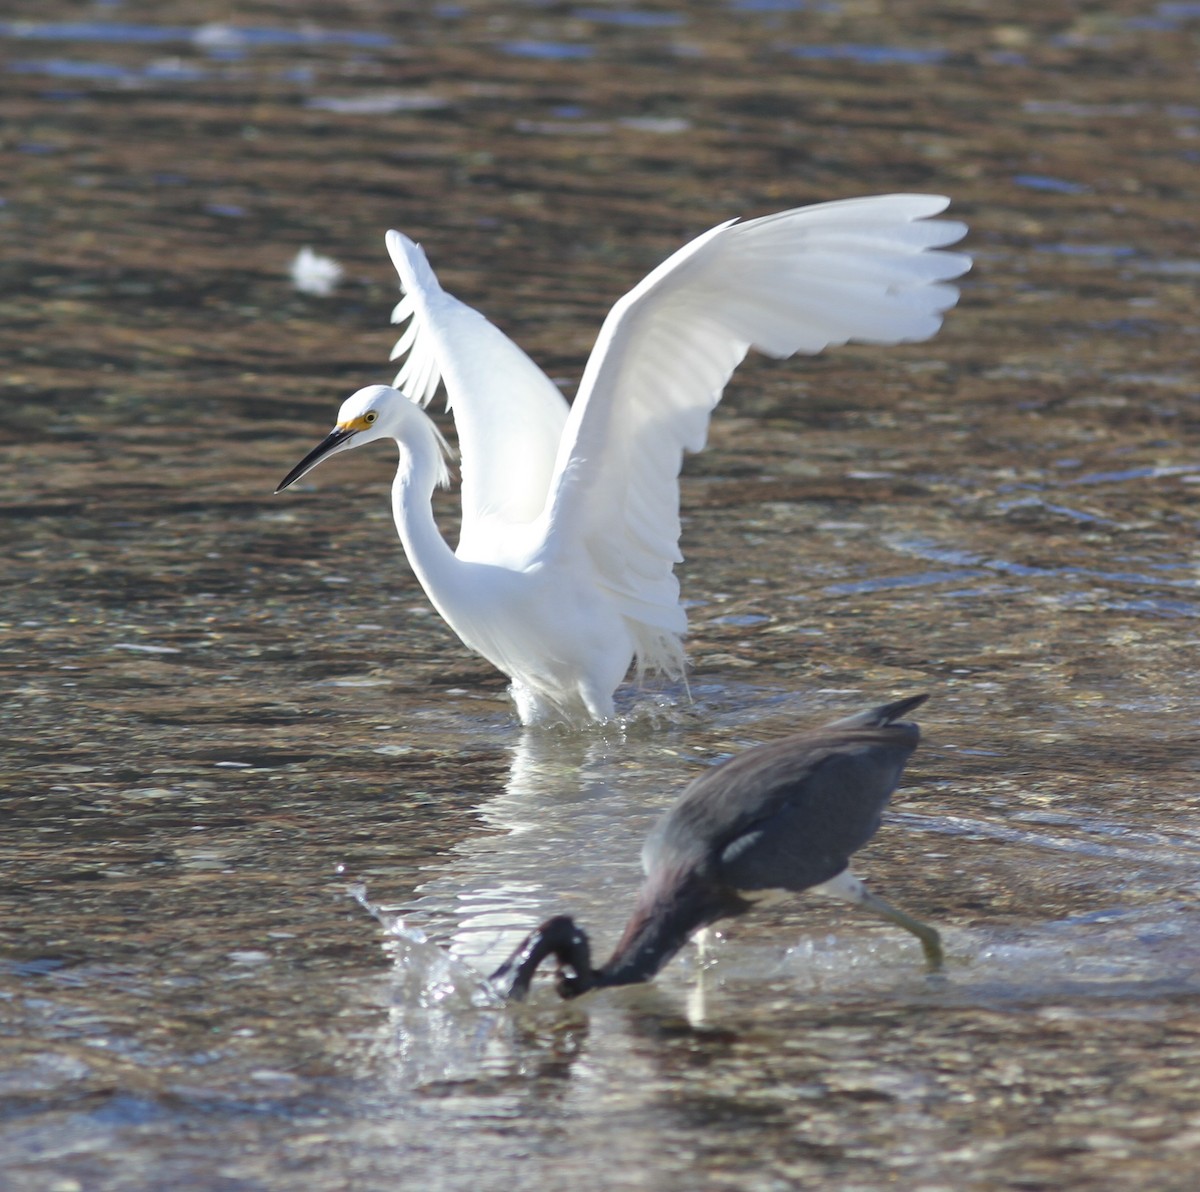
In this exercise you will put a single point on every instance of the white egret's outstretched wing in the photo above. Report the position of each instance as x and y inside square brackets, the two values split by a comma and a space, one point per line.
[509, 415]
[798, 281]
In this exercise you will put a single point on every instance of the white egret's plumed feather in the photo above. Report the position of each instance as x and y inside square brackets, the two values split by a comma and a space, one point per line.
[508, 414]
[576, 509]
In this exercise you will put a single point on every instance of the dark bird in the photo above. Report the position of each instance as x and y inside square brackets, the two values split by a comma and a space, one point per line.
[787, 815]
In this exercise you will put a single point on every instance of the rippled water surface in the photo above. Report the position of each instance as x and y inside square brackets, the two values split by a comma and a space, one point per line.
[264, 821]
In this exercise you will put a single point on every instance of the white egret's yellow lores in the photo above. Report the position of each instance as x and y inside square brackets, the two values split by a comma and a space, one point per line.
[564, 572]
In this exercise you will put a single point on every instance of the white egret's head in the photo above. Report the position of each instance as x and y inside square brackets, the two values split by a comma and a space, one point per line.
[369, 414]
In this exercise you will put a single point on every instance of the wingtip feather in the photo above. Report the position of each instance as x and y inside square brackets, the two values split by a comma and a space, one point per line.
[411, 263]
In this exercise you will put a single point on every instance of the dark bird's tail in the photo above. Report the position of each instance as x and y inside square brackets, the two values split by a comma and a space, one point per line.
[883, 715]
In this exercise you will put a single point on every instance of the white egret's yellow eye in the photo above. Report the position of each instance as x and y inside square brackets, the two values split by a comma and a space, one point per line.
[370, 416]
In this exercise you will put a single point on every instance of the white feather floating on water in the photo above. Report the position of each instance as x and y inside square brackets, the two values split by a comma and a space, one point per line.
[314, 274]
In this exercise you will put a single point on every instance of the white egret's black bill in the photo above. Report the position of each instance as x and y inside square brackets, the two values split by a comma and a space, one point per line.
[334, 439]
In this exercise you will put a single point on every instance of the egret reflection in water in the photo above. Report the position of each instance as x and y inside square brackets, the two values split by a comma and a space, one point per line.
[545, 835]
[563, 576]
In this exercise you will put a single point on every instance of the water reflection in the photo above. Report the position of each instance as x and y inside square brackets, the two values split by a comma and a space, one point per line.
[564, 833]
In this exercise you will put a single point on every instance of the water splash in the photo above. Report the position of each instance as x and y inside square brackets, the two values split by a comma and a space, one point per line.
[430, 977]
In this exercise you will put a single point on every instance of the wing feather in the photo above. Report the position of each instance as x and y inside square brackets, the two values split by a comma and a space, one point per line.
[508, 414]
[798, 281]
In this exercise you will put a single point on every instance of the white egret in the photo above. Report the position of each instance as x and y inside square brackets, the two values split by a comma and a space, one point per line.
[564, 571]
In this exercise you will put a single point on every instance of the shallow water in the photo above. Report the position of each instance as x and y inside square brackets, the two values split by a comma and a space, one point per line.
[265, 822]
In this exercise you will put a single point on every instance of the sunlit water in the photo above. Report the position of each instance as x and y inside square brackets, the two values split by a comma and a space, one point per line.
[266, 826]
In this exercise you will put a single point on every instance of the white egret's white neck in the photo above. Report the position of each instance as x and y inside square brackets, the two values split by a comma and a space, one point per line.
[421, 469]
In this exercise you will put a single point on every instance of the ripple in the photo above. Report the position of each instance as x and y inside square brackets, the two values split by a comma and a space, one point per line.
[630, 17]
[1045, 182]
[871, 55]
[551, 51]
[379, 103]
[207, 36]
[884, 583]
[1087, 250]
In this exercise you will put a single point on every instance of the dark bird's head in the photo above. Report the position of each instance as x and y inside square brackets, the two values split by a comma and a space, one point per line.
[558, 937]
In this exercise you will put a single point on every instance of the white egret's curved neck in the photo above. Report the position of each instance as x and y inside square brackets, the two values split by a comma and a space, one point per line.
[419, 472]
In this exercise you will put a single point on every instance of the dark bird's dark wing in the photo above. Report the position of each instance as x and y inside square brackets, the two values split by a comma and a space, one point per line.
[814, 825]
[790, 813]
